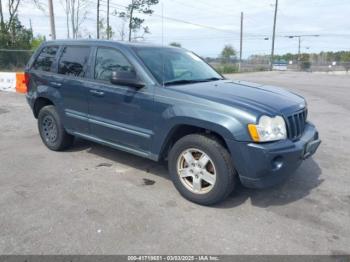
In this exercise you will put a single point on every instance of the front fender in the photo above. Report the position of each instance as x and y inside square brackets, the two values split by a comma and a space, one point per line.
[228, 127]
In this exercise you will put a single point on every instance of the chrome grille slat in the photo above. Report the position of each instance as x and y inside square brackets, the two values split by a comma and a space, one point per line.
[289, 128]
[302, 121]
[296, 124]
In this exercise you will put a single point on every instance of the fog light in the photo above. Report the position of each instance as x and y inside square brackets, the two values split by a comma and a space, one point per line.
[277, 163]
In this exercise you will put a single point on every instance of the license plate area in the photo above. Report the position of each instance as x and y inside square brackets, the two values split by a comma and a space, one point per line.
[310, 148]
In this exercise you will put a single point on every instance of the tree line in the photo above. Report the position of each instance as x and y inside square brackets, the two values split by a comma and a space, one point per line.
[130, 25]
[315, 58]
[15, 38]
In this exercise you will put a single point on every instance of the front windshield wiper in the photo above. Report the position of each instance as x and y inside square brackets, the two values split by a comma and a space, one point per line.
[191, 81]
[212, 79]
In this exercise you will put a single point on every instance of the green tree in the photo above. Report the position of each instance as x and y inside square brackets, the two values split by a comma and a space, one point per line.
[8, 26]
[37, 41]
[228, 53]
[104, 30]
[14, 36]
[345, 57]
[17, 37]
[304, 62]
[135, 23]
[75, 12]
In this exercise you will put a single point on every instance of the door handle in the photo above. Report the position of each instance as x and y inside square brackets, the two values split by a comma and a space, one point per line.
[56, 84]
[97, 92]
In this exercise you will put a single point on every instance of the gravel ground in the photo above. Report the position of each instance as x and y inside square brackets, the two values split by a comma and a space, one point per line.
[96, 200]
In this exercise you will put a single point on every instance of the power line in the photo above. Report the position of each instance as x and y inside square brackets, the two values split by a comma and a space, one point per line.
[251, 37]
[299, 42]
[116, 5]
[188, 22]
[198, 8]
[201, 37]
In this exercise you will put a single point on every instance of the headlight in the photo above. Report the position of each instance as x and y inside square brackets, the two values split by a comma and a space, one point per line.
[268, 129]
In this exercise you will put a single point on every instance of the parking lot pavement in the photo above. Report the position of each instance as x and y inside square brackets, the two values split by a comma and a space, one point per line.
[96, 200]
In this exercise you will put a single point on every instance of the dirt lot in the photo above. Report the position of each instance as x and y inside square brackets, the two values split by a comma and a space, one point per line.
[95, 200]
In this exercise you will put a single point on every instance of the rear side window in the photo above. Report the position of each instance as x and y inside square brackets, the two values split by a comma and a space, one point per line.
[109, 60]
[46, 58]
[74, 60]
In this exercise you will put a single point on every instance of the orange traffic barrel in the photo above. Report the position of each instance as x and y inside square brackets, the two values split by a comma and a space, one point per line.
[21, 82]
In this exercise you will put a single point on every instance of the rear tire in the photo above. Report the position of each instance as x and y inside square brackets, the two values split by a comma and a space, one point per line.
[52, 131]
[201, 169]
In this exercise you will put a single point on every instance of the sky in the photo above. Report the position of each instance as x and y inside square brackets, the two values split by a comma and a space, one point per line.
[206, 26]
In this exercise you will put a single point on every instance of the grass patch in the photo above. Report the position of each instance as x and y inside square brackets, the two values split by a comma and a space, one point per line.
[226, 68]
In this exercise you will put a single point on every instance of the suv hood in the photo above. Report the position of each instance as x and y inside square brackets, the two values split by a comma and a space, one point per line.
[262, 98]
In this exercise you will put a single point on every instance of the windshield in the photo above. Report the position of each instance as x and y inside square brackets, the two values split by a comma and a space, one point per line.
[176, 66]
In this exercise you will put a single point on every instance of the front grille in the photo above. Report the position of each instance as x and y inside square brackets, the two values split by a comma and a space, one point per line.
[296, 124]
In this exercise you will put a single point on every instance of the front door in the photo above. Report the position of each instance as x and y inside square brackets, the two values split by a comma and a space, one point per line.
[119, 114]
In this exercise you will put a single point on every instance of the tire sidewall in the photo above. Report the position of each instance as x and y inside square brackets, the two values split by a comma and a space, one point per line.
[219, 190]
[50, 111]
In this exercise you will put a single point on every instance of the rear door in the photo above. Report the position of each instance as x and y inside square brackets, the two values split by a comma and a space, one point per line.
[119, 114]
[72, 81]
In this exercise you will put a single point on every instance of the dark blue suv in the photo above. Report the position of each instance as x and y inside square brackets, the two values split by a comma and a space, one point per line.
[167, 103]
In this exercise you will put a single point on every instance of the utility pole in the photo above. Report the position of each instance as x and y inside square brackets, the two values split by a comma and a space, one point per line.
[108, 29]
[52, 20]
[241, 44]
[273, 36]
[98, 20]
[130, 20]
[299, 42]
[30, 25]
[299, 48]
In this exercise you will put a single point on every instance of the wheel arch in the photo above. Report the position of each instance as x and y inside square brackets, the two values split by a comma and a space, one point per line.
[39, 103]
[180, 130]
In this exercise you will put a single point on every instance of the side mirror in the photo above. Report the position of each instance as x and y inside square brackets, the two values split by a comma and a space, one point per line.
[126, 78]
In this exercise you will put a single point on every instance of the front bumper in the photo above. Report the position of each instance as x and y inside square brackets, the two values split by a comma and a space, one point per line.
[262, 165]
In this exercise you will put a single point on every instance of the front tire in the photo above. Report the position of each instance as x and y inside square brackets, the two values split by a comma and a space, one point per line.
[201, 169]
[52, 131]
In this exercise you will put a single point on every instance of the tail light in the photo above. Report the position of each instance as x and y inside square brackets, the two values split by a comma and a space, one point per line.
[22, 82]
[26, 79]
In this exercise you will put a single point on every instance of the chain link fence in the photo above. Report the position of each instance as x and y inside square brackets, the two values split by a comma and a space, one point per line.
[248, 66]
[319, 67]
[12, 60]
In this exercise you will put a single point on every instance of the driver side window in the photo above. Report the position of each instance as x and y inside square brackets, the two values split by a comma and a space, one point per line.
[109, 60]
